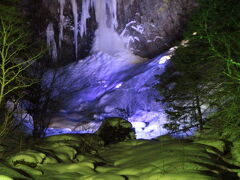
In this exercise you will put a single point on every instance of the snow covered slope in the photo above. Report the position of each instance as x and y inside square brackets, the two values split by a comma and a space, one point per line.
[108, 86]
[82, 157]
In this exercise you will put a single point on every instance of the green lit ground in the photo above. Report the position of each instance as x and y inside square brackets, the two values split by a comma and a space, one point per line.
[62, 158]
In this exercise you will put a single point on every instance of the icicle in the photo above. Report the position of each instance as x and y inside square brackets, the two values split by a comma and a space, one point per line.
[75, 16]
[61, 21]
[112, 5]
[51, 43]
[86, 4]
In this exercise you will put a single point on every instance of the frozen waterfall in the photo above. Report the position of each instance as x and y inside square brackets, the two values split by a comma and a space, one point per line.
[111, 82]
[106, 39]
[103, 86]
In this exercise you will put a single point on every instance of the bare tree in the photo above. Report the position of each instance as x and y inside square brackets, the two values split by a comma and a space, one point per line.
[15, 59]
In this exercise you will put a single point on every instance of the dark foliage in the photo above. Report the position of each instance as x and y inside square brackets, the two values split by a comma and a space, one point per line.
[201, 83]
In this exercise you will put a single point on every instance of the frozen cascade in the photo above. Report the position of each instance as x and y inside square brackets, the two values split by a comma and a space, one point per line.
[110, 82]
[106, 40]
[103, 86]
[75, 30]
[61, 21]
[51, 43]
[103, 17]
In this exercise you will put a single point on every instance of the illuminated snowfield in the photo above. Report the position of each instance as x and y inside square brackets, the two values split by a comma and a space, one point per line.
[165, 158]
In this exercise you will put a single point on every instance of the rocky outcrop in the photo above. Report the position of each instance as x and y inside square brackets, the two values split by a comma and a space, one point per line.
[148, 26]
[115, 130]
[154, 25]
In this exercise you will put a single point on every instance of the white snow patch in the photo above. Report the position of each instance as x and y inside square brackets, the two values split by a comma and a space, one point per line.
[138, 28]
[148, 124]
[118, 85]
[157, 37]
[164, 59]
[123, 33]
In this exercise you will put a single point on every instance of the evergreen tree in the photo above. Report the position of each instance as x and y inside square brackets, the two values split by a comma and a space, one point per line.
[189, 86]
[204, 75]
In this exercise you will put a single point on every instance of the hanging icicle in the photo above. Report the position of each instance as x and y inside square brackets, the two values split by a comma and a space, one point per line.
[61, 21]
[51, 43]
[75, 17]
[86, 4]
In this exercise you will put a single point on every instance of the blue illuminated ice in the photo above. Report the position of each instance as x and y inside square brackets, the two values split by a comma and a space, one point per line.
[103, 86]
[118, 85]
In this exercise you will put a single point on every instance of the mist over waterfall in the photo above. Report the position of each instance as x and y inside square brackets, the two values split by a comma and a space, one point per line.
[111, 82]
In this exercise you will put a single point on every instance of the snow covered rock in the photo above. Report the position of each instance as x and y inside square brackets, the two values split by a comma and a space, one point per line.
[115, 130]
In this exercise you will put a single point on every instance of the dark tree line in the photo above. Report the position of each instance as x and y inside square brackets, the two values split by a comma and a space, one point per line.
[201, 84]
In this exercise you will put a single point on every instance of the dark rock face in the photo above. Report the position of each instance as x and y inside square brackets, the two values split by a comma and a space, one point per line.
[151, 25]
[156, 24]
[115, 130]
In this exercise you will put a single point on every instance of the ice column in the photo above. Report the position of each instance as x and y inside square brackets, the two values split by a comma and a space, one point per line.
[75, 16]
[61, 21]
[86, 4]
[51, 43]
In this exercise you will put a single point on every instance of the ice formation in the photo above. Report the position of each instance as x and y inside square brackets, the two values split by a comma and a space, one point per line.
[86, 4]
[106, 39]
[75, 30]
[103, 86]
[61, 21]
[51, 43]
[109, 82]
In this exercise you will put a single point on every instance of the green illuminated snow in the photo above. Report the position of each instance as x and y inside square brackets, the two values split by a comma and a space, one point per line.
[83, 157]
